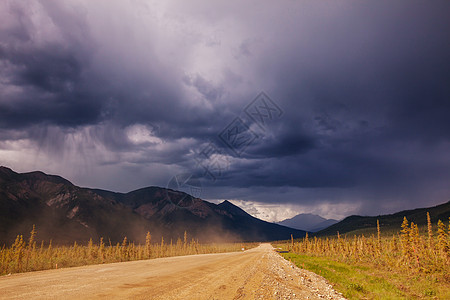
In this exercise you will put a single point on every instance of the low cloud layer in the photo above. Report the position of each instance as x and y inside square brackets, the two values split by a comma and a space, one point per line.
[121, 95]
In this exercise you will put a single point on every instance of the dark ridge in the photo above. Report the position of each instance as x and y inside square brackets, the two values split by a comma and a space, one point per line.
[66, 213]
[390, 222]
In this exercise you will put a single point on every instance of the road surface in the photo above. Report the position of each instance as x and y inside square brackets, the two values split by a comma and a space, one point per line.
[258, 273]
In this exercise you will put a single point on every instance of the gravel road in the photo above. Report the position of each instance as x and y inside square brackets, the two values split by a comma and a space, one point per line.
[258, 273]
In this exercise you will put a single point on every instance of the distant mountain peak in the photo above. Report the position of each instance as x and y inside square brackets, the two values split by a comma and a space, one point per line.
[308, 222]
[388, 222]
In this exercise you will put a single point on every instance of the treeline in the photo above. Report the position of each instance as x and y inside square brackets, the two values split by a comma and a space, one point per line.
[411, 250]
[26, 255]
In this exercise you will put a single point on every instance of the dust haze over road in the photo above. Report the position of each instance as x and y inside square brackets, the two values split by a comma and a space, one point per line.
[258, 273]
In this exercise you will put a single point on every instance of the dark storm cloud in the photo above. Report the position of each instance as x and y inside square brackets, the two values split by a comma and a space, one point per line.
[286, 144]
[363, 87]
[46, 80]
[57, 81]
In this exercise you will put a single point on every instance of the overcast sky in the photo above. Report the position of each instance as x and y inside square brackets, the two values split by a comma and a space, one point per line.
[119, 95]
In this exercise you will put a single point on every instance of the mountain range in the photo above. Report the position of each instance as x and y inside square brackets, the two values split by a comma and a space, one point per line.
[66, 213]
[308, 222]
[390, 223]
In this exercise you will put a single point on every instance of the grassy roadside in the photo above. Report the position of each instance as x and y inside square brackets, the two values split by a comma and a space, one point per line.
[413, 263]
[357, 281]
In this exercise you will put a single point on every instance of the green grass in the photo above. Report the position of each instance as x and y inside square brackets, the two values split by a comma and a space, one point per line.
[366, 282]
[353, 282]
[380, 264]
